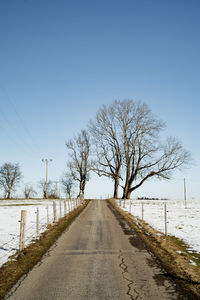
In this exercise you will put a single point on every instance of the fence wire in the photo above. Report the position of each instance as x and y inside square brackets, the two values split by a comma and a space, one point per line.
[10, 247]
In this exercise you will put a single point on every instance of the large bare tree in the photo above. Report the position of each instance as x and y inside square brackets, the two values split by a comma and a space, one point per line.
[129, 147]
[104, 130]
[10, 176]
[80, 164]
[145, 156]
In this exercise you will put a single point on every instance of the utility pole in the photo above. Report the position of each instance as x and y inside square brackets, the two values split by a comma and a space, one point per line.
[47, 162]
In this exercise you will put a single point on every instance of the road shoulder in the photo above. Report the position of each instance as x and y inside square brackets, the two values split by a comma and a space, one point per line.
[168, 251]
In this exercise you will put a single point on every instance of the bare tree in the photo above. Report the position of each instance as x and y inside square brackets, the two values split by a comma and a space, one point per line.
[10, 176]
[143, 153]
[29, 191]
[129, 148]
[104, 130]
[54, 190]
[79, 152]
[68, 184]
[42, 185]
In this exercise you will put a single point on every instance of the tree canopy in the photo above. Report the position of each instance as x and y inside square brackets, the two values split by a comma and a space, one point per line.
[129, 148]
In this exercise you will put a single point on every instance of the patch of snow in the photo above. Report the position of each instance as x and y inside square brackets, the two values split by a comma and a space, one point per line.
[182, 222]
[10, 214]
[193, 263]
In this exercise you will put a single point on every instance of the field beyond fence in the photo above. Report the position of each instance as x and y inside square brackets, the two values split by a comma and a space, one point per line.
[170, 217]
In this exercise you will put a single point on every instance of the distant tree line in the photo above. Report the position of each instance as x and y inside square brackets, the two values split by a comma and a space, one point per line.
[11, 176]
[123, 142]
[147, 198]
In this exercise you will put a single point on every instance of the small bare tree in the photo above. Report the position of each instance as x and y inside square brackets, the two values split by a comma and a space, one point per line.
[53, 192]
[79, 152]
[42, 185]
[29, 191]
[10, 176]
[106, 138]
[68, 184]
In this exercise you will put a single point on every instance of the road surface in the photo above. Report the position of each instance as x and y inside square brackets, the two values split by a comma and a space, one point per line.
[97, 257]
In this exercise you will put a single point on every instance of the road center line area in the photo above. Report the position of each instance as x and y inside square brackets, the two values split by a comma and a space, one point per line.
[97, 258]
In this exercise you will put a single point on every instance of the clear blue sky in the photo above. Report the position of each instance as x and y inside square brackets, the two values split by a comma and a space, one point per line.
[61, 60]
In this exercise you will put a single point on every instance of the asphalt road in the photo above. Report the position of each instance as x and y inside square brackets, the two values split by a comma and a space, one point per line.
[97, 257]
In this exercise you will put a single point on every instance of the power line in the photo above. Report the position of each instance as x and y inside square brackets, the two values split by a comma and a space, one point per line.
[21, 122]
[10, 137]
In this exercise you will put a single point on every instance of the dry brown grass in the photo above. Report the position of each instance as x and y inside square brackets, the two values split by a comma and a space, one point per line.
[24, 261]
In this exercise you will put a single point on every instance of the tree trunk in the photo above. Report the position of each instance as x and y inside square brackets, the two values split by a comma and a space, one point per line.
[8, 195]
[125, 193]
[126, 186]
[82, 187]
[128, 195]
[116, 185]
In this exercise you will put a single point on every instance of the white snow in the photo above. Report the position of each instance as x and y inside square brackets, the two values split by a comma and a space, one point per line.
[10, 215]
[183, 219]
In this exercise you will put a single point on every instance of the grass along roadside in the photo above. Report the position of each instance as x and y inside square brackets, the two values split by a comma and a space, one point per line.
[22, 262]
[180, 263]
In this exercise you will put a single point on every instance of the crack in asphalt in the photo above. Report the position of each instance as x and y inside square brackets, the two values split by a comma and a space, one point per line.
[132, 292]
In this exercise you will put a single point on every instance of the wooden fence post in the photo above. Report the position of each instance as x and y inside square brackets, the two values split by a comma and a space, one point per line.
[68, 204]
[47, 214]
[60, 208]
[130, 206]
[142, 211]
[124, 203]
[165, 214]
[65, 207]
[71, 204]
[37, 223]
[185, 199]
[22, 230]
[54, 212]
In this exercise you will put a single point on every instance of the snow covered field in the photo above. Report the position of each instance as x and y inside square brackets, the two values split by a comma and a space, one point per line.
[184, 223]
[10, 215]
